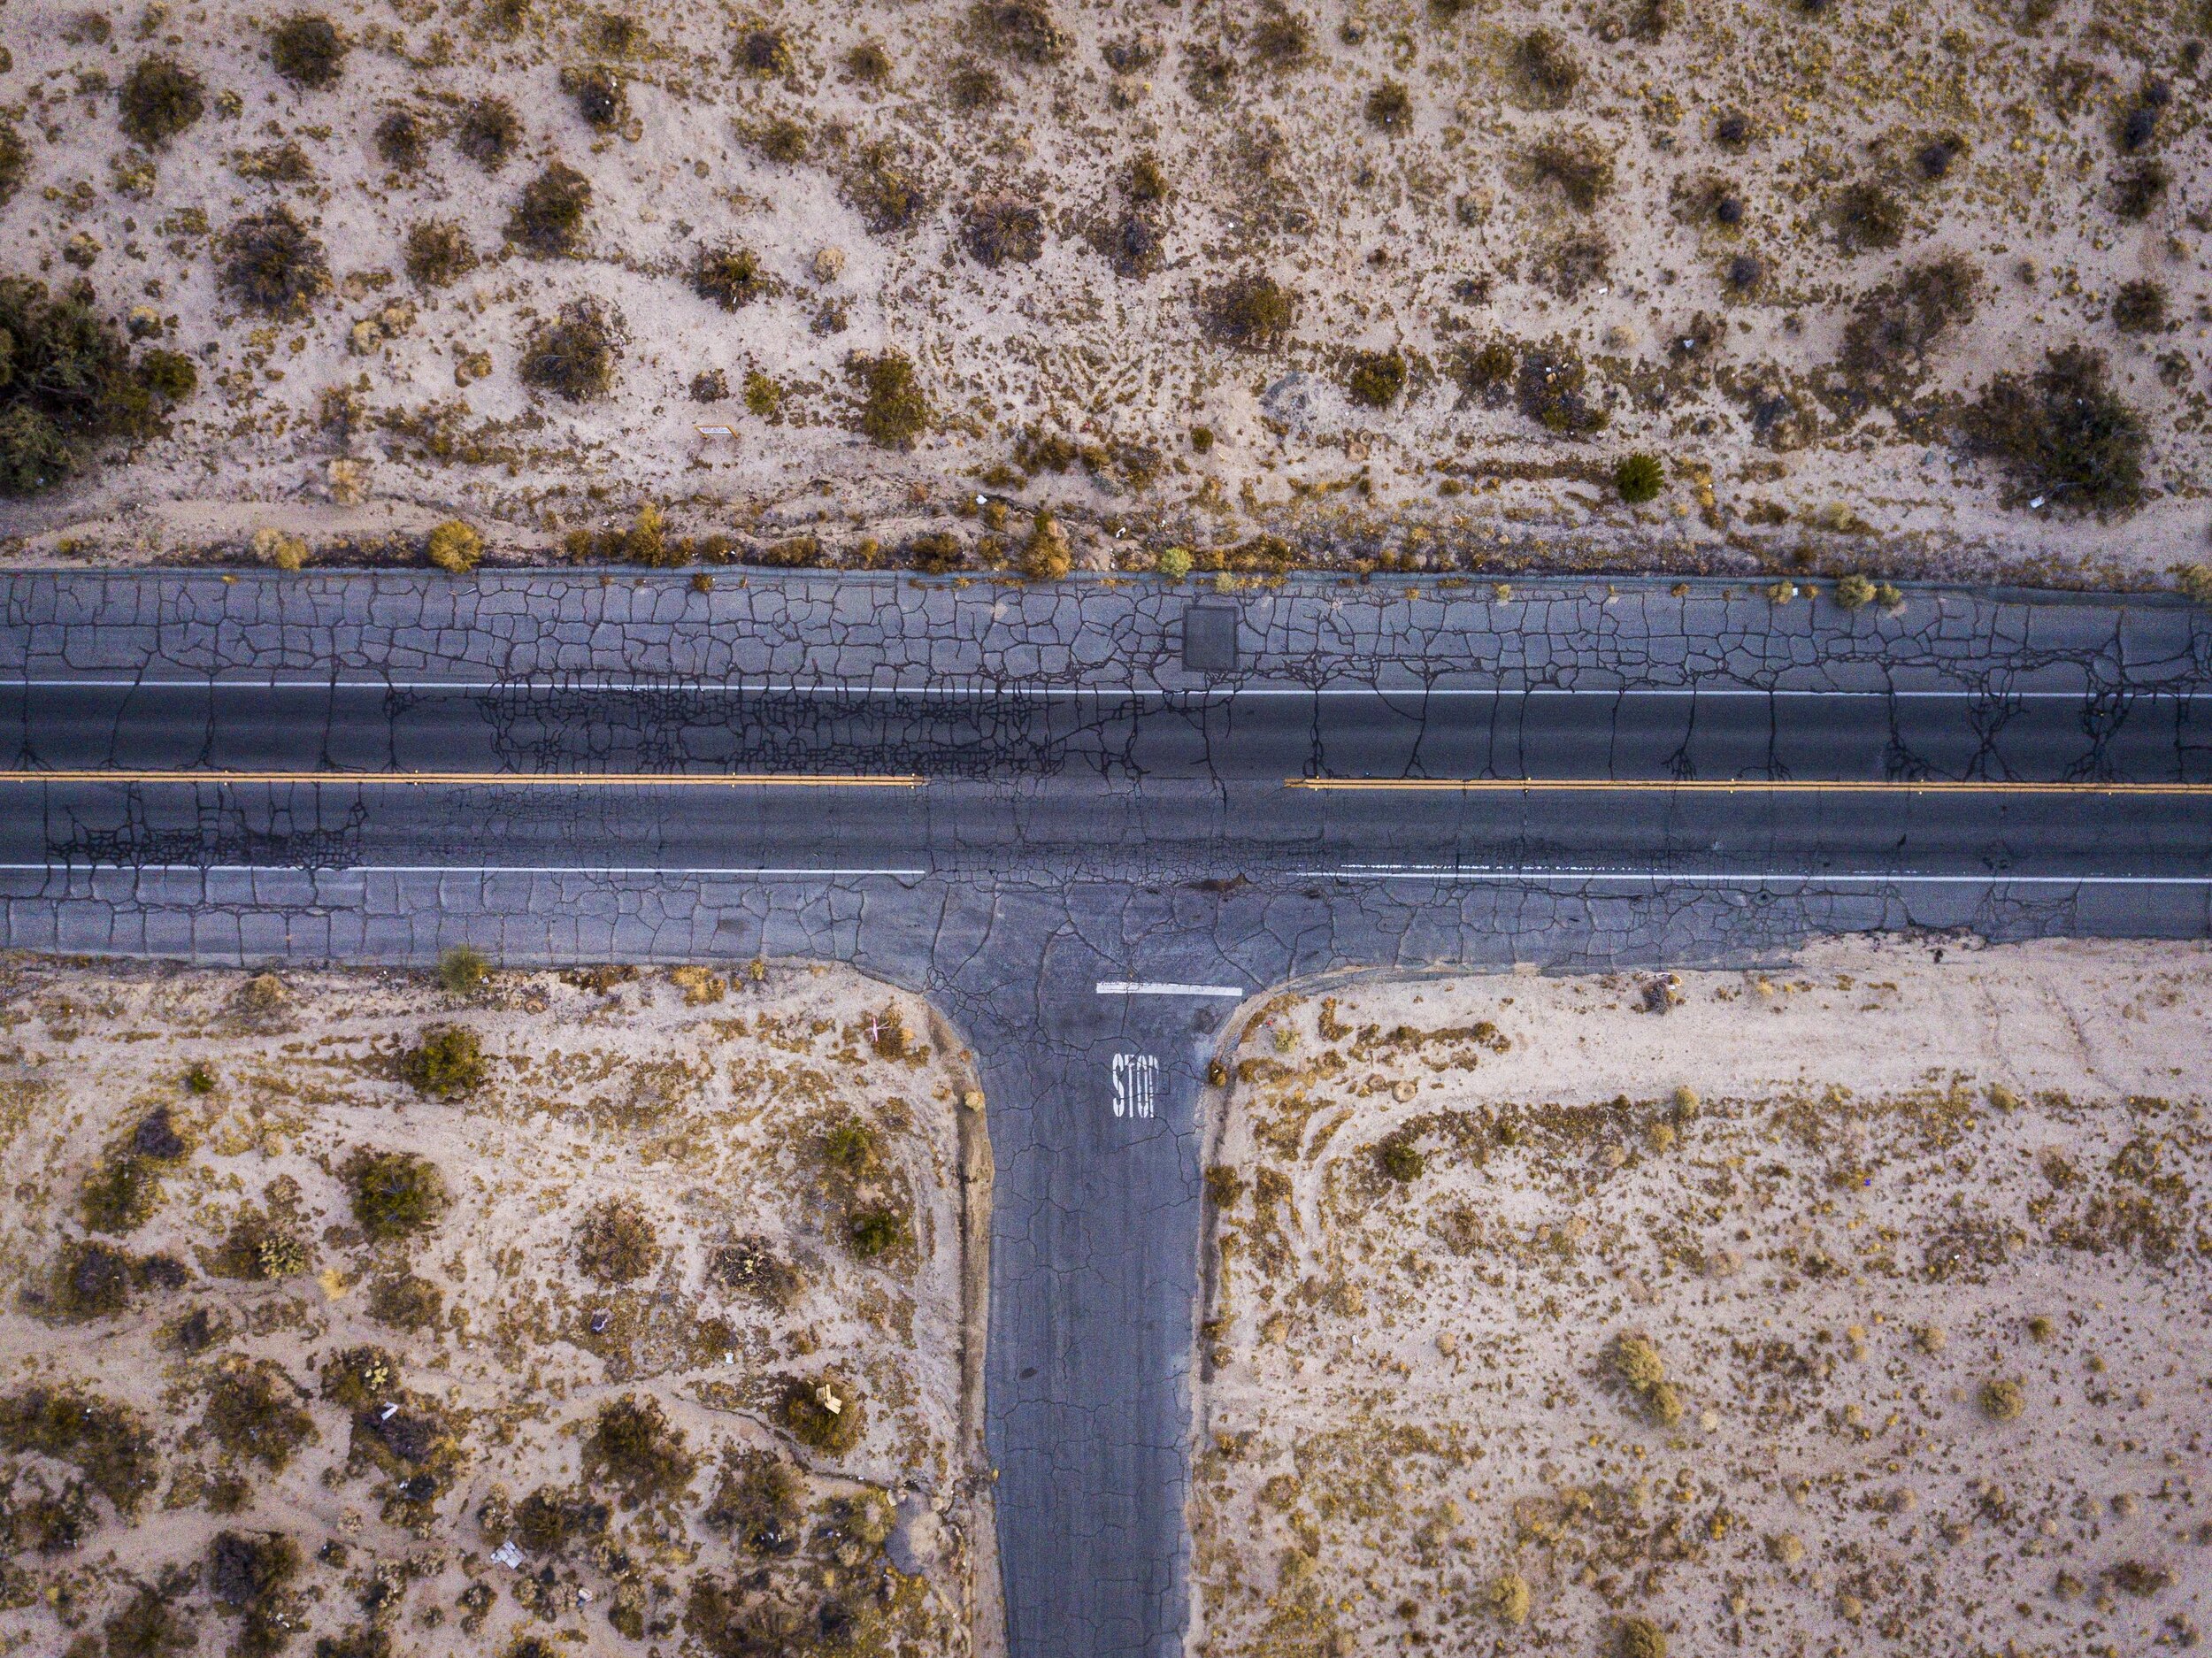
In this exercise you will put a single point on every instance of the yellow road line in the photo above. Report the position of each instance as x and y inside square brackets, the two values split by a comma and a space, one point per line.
[1709, 785]
[503, 779]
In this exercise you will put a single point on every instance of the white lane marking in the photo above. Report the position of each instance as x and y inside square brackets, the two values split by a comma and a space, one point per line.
[1443, 872]
[1157, 988]
[1136, 1080]
[1047, 691]
[441, 869]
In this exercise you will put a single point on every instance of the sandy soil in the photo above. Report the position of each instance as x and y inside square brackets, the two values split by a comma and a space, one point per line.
[579, 1394]
[1856, 1307]
[1704, 280]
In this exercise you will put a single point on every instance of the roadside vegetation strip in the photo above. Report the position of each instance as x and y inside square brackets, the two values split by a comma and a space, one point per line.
[501, 780]
[1733, 785]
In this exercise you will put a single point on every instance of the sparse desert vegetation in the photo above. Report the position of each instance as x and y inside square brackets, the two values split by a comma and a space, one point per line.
[306, 1355]
[1910, 293]
[1854, 1305]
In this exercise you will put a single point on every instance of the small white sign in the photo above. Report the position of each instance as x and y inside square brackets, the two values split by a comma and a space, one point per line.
[1136, 1080]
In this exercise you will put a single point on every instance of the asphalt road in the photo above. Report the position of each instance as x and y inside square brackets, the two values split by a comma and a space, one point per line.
[1085, 851]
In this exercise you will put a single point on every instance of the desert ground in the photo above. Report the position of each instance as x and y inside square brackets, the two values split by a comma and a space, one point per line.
[607, 1311]
[1017, 285]
[1858, 1305]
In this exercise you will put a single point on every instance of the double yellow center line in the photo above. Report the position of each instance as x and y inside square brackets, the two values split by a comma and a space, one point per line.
[838, 779]
[503, 779]
[1716, 785]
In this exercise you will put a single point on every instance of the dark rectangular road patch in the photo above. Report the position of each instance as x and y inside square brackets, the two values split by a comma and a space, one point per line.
[1210, 638]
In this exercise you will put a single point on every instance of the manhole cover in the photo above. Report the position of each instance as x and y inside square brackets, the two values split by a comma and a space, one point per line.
[1210, 638]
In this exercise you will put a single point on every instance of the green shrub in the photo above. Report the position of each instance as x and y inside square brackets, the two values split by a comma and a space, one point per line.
[69, 386]
[885, 192]
[1251, 311]
[405, 1301]
[1894, 327]
[1281, 39]
[633, 1445]
[488, 132]
[455, 546]
[15, 161]
[446, 1064]
[438, 253]
[875, 1232]
[849, 1146]
[548, 221]
[1867, 216]
[402, 141]
[893, 411]
[395, 1193]
[1553, 392]
[601, 98]
[1510, 1598]
[972, 87]
[1639, 478]
[159, 98]
[107, 1443]
[574, 357]
[1635, 1363]
[1024, 30]
[1576, 165]
[1546, 70]
[729, 276]
[750, 1267]
[549, 1520]
[998, 229]
[147, 1625]
[461, 970]
[1401, 1159]
[2139, 189]
[616, 1244]
[2139, 307]
[91, 1280]
[2003, 1400]
[826, 1414]
[1390, 107]
[307, 50]
[869, 63]
[934, 552]
[1173, 562]
[1639, 1638]
[2062, 434]
[253, 1411]
[273, 264]
[122, 1193]
[357, 1378]
[2195, 582]
[249, 1573]
[758, 1502]
[170, 375]
[364, 1640]
[764, 51]
[1377, 378]
[1047, 555]
[1853, 591]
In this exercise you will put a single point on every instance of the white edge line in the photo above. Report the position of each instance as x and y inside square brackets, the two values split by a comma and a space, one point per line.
[1153, 987]
[437, 869]
[1668, 878]
[1047, 691]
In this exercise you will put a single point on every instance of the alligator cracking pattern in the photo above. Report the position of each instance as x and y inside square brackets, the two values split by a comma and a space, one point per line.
[1009, 932]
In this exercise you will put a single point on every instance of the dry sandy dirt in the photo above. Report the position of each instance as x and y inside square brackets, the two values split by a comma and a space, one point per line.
[1856, 1306]
[1476, 201]
[574, 1387]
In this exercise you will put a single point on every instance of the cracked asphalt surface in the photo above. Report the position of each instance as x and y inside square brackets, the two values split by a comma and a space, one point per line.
[1093, 811]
